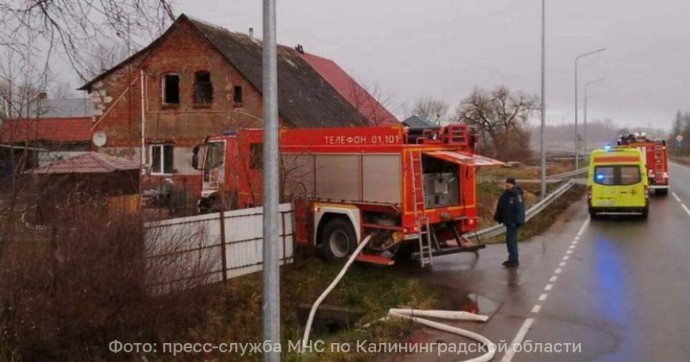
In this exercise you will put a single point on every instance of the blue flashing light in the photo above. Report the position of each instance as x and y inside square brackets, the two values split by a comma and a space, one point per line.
[600, 177]
[228, 133]
[608, 148]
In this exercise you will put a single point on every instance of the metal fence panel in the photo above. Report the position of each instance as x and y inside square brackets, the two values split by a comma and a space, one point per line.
[187, 252]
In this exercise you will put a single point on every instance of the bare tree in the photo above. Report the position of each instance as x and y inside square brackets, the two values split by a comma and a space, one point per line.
[104, 56]
[501, 118]
[62, 90]
[68, 27]
[434, 110]
[372, 102]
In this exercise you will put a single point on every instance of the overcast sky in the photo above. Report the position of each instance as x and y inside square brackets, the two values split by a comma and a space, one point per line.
[445, 48]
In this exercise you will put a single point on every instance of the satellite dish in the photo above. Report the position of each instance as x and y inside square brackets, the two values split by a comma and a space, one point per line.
[99, 139]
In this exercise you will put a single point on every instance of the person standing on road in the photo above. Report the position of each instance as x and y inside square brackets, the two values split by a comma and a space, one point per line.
[510, 211]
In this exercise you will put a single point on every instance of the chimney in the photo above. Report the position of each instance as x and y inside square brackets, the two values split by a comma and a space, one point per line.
[251, 33]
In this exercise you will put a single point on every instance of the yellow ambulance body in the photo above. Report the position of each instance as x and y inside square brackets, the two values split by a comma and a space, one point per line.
[617, 182]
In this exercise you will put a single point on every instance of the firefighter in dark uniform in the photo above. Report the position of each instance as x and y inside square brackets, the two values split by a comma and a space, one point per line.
[510, 212]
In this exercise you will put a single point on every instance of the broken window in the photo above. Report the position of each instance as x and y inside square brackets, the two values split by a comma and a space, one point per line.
[203, 88]
[161, 158]
[171, 89]
[237, 95]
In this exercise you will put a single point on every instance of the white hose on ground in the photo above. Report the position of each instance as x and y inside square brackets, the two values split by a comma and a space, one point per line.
[411, 315]
[443, 314]
[319, 300]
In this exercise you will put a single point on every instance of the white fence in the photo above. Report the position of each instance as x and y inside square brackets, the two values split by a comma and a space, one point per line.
[186, 252]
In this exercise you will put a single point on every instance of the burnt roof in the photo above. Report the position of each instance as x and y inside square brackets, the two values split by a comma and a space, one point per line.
[305, 98]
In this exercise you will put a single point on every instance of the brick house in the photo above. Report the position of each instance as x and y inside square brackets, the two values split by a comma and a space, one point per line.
[200, 79]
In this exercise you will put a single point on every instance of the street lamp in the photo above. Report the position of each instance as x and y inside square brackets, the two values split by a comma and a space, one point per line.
[586, 98]
[543, 98]
[577, 59]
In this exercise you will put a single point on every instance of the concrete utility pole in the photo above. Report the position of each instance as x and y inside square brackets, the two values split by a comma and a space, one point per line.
[271, 267]
[577, 135]
[543, 97]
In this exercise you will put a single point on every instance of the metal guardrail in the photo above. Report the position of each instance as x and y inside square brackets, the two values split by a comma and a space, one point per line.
[568, 174]
[488, 179]
[533, 211]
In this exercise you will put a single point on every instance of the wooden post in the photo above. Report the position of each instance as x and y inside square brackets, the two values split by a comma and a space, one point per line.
[222, 247]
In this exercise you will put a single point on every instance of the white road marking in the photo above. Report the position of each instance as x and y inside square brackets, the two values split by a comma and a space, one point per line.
[569, 252]
[582, 229]
[566, 257]
[686, 209]
[675, 196]
[522, 332]
[518, 339]
[571, 247]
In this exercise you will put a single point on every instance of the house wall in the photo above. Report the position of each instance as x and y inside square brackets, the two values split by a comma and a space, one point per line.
[116, 101]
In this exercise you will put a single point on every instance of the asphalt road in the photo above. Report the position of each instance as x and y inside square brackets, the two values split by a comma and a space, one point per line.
[618, 287]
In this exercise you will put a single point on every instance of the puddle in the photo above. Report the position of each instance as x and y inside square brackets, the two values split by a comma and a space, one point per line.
[475, 303]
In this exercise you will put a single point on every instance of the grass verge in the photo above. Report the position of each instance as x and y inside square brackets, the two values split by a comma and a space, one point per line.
[370, 289]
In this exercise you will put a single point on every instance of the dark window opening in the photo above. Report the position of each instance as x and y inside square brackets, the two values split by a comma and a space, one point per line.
[203, 88]
[256, 156]
[171, 89]
[162, 159]
[237, 95]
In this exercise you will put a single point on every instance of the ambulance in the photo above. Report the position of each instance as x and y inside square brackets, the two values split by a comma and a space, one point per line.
[617, 182]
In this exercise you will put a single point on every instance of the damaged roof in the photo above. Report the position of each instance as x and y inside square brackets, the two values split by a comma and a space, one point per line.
[305, 98]
[88, 163]
[308, 93]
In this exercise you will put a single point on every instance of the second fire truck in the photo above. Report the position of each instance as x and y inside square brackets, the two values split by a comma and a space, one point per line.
[654, 157]
[348, 183]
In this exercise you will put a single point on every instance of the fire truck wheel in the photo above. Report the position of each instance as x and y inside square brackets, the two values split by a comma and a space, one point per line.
[338, 239]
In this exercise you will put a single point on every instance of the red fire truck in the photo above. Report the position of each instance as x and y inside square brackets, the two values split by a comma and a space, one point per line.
[348, 183]
[655, 158]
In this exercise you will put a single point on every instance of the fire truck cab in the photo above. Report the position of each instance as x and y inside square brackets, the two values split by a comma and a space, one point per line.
[348, 183]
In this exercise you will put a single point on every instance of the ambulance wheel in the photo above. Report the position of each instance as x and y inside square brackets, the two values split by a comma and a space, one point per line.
[338, 239]
[645, 212]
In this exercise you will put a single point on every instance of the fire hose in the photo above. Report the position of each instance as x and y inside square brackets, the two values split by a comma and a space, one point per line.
[411, 314]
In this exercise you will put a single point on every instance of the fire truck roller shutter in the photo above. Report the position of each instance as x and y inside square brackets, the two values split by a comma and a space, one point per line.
[463, 158]
[335, 223]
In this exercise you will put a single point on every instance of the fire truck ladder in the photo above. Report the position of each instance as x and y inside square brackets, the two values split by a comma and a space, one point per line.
[421, 220]
[658, 163]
